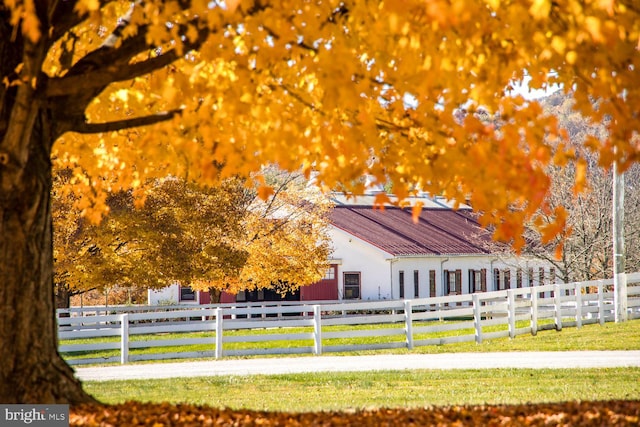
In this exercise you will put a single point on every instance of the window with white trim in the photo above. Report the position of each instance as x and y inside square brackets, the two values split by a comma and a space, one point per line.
[330, 273]
[502, 278]
[452, 282]
[478, 280]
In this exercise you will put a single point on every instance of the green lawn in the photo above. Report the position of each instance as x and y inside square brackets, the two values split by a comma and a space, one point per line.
[610, 336]
[342, 391]
[407, 389]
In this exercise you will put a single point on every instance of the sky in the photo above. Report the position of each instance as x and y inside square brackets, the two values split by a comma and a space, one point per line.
[522, 88]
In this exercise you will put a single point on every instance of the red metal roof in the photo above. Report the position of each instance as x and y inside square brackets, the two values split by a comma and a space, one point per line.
[437, 232]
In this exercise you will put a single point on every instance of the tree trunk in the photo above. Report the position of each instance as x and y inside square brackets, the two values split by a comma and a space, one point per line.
[32, 371]
[215, 295]
[62, 295]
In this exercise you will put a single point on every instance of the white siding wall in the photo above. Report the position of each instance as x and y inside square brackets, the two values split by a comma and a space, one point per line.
[168, 295]
[438, 264]
[409, 265]
[358, 256]
[164, 295]
[464, 263]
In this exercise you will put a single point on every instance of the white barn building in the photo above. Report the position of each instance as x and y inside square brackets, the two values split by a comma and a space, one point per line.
[385, 254]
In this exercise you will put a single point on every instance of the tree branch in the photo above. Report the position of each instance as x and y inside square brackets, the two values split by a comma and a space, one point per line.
[62, 13]
[97, 80]
[90, 128]
[108, 64]
[301, 43]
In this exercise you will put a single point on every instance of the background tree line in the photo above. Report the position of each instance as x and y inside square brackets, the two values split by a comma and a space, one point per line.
[588, 249]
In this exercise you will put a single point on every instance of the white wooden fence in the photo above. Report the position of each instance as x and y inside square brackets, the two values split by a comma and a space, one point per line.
[332, 326]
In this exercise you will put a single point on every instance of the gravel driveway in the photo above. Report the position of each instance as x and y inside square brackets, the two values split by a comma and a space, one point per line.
[287, 365]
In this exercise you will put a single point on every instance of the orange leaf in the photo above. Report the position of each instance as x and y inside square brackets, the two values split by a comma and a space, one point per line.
[232, 5]
[416, 210]
[581, 176]
[265, 191]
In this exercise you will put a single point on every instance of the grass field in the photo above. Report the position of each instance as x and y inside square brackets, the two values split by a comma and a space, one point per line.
[341, 391]
[407, 389]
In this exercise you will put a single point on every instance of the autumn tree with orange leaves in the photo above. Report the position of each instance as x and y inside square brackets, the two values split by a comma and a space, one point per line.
[219, 238]
[123, 93]
[181, 234]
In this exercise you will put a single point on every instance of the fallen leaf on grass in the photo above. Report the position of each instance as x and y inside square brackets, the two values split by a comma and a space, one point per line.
[599, 413]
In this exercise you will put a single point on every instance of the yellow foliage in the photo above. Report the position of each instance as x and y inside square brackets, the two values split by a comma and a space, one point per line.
[540, 9]
[223, 237]
[344, 89]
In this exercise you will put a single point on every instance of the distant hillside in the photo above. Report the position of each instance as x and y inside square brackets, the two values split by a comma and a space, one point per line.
[561, 105]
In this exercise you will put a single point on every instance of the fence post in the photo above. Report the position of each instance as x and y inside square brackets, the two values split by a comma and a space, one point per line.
[219, 322]
[578, 297]
[408, 323]
[124, 338]
[558, 306]
[477, 319]
[534, 313]
[511, 310]
[317, 330]
[601, 315]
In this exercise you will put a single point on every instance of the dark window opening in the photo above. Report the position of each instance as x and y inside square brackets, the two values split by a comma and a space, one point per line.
[187, 294]
[432, 283]
[351, 285]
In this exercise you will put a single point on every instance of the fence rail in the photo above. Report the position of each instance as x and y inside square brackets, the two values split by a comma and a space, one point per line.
[88, 335]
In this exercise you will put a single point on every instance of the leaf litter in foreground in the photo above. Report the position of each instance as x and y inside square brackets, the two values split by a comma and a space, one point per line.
[591, 413]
